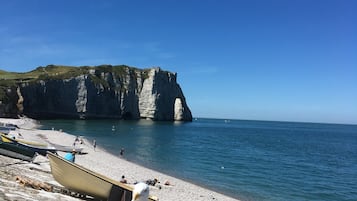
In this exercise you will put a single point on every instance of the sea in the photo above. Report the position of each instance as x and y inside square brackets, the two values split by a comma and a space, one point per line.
[248, 160]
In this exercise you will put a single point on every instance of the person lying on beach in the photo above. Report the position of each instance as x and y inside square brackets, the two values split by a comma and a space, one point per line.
[123, 180]
[152, 182]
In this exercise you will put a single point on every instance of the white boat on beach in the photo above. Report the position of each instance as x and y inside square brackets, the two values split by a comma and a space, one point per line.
[87, 182]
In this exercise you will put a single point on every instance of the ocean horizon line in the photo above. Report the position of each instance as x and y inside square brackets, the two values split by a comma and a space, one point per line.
[283, 121]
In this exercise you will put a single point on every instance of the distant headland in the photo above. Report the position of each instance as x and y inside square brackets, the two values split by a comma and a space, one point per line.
[93, 92]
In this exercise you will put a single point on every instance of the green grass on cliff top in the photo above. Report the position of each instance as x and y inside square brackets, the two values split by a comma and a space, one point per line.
[48, 70]
[60, 72]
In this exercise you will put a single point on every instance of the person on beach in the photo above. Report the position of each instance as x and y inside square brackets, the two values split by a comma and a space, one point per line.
[71, 156]
[94, 144]
[75, 141]
[122, 152]
[152, 182]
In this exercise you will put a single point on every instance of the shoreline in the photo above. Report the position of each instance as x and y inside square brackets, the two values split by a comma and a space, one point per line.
[170, 174]
[112, 166]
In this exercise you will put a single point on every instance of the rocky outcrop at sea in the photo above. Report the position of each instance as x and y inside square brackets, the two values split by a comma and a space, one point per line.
[97, 92]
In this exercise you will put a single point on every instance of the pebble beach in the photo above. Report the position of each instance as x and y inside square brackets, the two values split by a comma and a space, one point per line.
[97, 160]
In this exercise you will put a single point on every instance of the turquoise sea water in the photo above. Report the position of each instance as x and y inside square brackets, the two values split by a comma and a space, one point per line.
[249, 160]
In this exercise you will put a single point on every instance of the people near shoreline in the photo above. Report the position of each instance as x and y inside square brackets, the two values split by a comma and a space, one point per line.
[70, 156]
[123, 180]
[76, 141]
[122, 152]
[94, 144]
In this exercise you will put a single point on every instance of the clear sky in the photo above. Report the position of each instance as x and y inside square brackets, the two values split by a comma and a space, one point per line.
[290, 60]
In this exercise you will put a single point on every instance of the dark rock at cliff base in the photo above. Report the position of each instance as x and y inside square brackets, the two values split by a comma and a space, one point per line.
[105, 91]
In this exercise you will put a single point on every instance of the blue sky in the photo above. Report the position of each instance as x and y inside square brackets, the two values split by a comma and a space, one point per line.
[260, 60]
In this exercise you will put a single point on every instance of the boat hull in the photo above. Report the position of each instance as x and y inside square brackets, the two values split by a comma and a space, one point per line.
[4, 130]
[82, 180]
[16, 146]
[14, 151]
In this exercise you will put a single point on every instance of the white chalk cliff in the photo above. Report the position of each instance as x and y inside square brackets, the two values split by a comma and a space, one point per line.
[107, 92]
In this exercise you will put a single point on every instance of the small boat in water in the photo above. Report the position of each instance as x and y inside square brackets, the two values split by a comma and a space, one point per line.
[87, 182]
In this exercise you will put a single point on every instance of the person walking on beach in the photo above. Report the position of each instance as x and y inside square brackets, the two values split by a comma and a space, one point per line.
[94, 144]
[121, 151]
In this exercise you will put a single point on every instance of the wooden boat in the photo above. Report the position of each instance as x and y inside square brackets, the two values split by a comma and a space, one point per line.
[49, 146]
[85, 181]
[61, 147]
[66, 148]
[38, 144]
[15, 150]
[22, 146]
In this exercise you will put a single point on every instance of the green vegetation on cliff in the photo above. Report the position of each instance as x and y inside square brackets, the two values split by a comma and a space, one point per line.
[58, 72]
[61, 72]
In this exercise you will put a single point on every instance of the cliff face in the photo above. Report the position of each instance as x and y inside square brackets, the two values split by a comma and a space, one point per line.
[9, 102]
[125, 93]
[157, 100]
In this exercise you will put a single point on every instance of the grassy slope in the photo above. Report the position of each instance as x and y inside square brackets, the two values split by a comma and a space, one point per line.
[49, 70]
[9, 79]
[60, 72]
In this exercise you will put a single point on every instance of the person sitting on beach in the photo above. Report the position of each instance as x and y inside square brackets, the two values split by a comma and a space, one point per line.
[70, 156]
[152, 182]
[123, 180]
